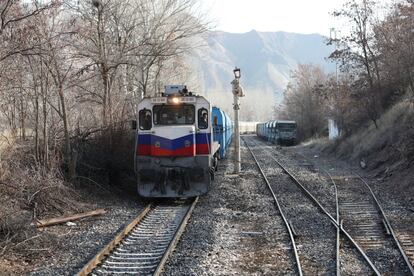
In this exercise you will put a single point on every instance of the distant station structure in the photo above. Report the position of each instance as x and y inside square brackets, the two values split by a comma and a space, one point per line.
[333, 129]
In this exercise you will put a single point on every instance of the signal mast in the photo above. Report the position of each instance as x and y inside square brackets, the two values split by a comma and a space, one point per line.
[237, 92]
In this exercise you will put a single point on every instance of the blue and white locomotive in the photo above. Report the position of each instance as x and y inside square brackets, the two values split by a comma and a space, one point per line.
[278, 132]
[179, 139]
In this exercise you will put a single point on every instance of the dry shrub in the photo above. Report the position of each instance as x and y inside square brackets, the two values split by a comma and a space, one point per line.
[107, 158]
[28, 192]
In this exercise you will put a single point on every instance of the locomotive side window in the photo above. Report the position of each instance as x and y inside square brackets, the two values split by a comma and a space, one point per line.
[174, 115]
[145, 119]
[202, 118]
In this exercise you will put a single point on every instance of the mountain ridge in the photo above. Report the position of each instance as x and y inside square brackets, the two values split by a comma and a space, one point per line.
[266, 60]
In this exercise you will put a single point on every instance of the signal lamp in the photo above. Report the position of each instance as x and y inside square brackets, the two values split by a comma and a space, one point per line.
[237, 73]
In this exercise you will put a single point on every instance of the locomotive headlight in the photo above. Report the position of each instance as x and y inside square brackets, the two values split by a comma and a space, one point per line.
[175, 100]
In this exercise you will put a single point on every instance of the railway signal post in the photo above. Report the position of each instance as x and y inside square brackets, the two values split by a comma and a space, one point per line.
[237, 92]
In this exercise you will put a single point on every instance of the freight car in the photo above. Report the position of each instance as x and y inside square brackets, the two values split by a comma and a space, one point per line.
[222, 130]
[179, 139]
[278, 132]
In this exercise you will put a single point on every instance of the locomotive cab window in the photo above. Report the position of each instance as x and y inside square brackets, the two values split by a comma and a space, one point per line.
[202, 118]
[145, 119]
[167, 115]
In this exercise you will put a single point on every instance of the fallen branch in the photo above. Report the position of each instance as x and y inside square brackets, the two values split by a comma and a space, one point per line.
[63, 219]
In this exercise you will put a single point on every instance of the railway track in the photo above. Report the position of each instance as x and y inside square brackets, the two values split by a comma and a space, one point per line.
[143, 247]
[323, 210]
[406, 238]
[362, 217]
[311, 234]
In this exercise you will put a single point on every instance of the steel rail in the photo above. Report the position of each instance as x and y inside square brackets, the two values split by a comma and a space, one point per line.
[338, 232]
[95, 261]
[397, 242]
[128, 233]
[388, 224]
[292, 239]
[333, 221]
[176, 238]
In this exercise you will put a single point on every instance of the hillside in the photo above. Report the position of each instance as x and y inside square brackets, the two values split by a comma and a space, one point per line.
[387, 151]
[265, 58]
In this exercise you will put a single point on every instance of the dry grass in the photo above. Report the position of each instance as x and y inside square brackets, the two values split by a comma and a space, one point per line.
[393, 137]
[388, 151]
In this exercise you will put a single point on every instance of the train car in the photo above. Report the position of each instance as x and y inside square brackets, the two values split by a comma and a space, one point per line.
[272, 131]
[285, 132]
[222, 130]
[176, 153]
[268, 130]
[278, 132]
[260, 130]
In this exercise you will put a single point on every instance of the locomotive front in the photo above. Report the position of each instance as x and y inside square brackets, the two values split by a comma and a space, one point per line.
[174, 150]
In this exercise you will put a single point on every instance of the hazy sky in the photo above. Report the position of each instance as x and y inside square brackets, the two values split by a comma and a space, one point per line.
[301, 16]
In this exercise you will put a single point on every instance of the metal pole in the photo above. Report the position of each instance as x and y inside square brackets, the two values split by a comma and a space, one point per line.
[237, 92]
[237, 157]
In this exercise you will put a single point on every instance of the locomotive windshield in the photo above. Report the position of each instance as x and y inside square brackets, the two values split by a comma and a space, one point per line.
[167, 115]
[287, 126]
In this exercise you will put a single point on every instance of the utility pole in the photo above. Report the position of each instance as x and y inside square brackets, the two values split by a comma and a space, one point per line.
[237, 92]
[332, 125]
[333, 37]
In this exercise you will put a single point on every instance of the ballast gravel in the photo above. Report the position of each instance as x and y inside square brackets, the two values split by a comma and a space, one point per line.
[235, 229]
[78, 243]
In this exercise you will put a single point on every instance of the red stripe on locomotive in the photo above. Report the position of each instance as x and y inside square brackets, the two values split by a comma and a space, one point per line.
[203, 149]
[155, 151]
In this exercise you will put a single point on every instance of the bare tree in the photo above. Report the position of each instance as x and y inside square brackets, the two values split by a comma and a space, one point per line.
[15, 25]
[304, 100]
[357, 53]
[395, 42]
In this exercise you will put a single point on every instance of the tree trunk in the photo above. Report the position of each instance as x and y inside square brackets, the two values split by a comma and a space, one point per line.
[68, 152]
[37, 126]
[45, 134]
[22, 119]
